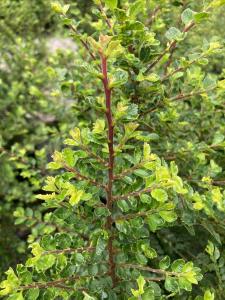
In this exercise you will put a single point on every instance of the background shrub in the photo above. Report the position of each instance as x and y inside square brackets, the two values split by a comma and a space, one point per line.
[35, 111]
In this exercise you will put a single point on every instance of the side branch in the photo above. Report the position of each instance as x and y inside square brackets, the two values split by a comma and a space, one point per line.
[128, 171]
[69, 250]
[102, 11]
[85, 178]
[170, 48]
[153, 15]
[133, 194]
[136, 215]
[149, 269]
[180, 69]
[94, 155]
[179, 97]
[58, 227]
[189, 95]
[56, 283]
[83, 42]
[133, 216]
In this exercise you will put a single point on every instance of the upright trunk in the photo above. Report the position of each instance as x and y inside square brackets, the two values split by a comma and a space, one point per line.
[109, 117]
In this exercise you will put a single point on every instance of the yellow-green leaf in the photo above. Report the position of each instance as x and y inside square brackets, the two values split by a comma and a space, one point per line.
[112, 4]
[208, 295]
[159, 195]
[99, 126]
[76, 197]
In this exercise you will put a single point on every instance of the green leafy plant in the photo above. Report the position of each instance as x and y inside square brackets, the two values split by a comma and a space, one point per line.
[120, 214]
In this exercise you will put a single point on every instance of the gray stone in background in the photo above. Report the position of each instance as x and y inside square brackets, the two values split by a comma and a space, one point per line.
[58, 43]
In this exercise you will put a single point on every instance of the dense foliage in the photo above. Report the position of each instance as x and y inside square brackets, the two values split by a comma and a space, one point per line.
[136, 207]
[35, 113]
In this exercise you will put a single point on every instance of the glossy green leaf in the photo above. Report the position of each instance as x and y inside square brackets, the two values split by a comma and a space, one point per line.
[171, 284]
[164, 263]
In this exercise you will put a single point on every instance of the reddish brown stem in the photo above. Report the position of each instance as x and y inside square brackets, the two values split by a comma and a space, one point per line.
[109, 117]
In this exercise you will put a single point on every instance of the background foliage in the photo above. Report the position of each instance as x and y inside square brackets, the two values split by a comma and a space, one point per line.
[44, 95]
[34, 112]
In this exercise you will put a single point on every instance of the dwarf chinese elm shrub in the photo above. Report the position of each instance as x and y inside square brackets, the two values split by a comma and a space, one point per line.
[137, 208]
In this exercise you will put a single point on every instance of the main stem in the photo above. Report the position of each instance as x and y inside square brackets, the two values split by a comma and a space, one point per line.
[109, 117]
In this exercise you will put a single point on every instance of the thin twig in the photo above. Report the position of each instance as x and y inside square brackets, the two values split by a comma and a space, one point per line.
[83, 177]
[133, 194]
[133, 216]
[169, 62]
[136, 215]
[102, 11]
[145, 268]
[170, 48]
[179, 97]
[69, 250]
[84, 43]
[58, 227]
[57, 283]
[45, 285]
[153, 15]
[128, 171]
[189, 95]
[180, 69]
[94, 155]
